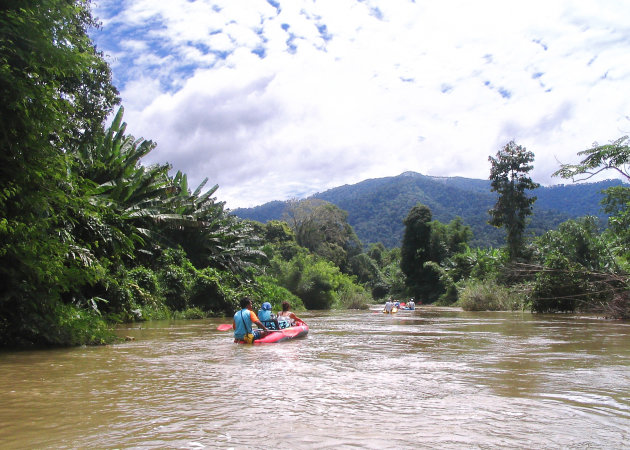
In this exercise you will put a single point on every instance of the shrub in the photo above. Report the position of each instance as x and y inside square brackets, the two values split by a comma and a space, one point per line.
[190, 313]
[476, 295]
[352, 296]
[78, 327]
[268, 290]
[146, 279]
[206, 291]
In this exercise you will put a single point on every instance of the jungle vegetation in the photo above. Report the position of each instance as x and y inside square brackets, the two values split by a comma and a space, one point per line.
[90, 236]
[377, 207]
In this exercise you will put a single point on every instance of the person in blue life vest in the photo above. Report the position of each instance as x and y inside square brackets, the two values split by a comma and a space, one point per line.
[243, 321]
[267, 317]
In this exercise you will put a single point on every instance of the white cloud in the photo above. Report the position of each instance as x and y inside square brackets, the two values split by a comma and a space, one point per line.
[272, 103]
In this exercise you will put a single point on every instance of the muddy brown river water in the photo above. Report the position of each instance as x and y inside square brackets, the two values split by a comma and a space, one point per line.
[430, 378]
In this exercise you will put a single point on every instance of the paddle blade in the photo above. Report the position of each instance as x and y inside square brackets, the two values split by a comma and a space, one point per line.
[224, 327]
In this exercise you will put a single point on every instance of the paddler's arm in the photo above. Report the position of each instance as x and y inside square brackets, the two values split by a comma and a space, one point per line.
[260, 325]
[254, 318]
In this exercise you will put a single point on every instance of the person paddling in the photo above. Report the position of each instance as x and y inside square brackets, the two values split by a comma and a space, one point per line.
[288, 315]
[243, 321]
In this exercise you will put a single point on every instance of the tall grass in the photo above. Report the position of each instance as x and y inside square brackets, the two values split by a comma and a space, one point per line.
[488, 295]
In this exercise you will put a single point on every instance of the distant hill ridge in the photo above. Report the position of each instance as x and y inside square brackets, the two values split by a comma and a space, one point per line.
[376, 207]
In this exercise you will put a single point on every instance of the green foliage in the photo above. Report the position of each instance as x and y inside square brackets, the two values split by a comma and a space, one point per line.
[609, 157]
[614, 156]
[617, 204]
[377, 253]
[485, 263]
[190, 314]
[364, 269]
[276, 232]
[509, 179]
[53, 324]
[579, 241]
[414, 252]
[352, 296]
[393, 281]
[146, 279]
[77, 326]
[176, 276]
[55, 91]
[322, 228]
[317, 282]
[377, 207]
[206, 291]
[268, 290]
[488, 295]
[559, 286]
[569, 258]
[580, 268]
[428, 255]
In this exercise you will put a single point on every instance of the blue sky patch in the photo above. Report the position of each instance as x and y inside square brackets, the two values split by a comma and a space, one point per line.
[541, 43]
[291, 47]
[260, 51]
[505, 93]
[323, 31]
[275, 5]
[375, 12]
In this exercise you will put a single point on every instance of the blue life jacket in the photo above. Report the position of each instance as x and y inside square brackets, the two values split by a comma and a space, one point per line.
[243, 322]
[264, 315]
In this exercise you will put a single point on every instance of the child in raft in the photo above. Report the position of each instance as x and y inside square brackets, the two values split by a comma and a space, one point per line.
[267, 317]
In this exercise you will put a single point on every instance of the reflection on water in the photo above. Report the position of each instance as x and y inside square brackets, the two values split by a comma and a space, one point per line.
[430, 378]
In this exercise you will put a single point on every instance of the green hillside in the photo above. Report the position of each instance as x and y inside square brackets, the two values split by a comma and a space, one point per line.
[377, 207]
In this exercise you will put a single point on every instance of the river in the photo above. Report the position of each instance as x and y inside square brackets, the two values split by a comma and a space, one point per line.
[430, 378]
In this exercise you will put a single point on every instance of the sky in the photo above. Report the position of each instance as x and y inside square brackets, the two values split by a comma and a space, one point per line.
[281, 99]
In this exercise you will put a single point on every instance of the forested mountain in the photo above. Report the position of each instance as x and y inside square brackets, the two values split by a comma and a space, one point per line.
[377, 207]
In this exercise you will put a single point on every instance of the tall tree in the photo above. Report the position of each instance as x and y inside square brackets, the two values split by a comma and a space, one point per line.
[323, 228]
[509, 178]
[614, 156]
[415, 251]
[608, 157]
[55, 89]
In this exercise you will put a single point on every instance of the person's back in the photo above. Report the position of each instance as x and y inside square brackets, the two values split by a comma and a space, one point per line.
[242, 323]
[388, 306]
[286, 316]
[266, 317]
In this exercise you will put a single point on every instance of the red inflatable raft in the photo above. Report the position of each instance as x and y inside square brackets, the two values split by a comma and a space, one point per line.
[300, 329]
